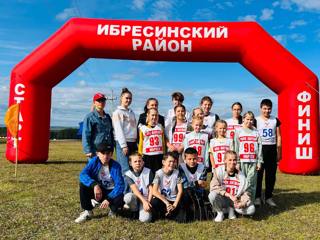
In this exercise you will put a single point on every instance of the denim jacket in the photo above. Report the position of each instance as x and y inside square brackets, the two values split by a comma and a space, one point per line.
[95, 130]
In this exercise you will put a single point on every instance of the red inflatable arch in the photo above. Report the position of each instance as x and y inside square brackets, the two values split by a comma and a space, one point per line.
[32, 79]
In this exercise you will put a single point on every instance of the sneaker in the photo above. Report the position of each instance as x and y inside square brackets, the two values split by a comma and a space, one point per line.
[271, 203]
[95, 203]
[111, 214]
[84, 216]
[257, 202]
[231, 214]
[126, 206]
[219, 217]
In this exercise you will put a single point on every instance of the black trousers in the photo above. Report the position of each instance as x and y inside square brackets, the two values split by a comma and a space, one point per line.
[154, 162]
[87, 193]
[269, 166]
[159, 210]
[132, 146]
[193, 201]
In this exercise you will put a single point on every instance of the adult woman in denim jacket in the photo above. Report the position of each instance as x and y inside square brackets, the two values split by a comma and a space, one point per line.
[97, 126]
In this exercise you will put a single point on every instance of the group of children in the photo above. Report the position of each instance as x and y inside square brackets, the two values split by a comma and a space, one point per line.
[170, 168]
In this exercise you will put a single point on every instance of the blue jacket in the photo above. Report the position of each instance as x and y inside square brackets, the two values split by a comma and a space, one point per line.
[89, 175]
[96, 129]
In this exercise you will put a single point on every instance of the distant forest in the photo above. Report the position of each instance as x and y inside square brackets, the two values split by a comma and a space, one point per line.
[55, 133]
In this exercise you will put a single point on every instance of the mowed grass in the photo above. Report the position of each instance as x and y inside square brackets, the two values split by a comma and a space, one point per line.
[43, 202]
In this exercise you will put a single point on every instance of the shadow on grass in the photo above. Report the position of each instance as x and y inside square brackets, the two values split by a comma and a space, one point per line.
[287, 200]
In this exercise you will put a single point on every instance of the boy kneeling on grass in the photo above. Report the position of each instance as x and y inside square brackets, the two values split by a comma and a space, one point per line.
[139, 178]
[167, 191]
[101, 183]
[194, 182]
[228, 190]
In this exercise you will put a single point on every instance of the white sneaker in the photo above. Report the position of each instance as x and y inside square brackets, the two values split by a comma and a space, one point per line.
[271, 203]
[85, 215]
[257, 202]
[95, 203]
[231, 214]
[126, 206]
[219, 217]
[111, 214]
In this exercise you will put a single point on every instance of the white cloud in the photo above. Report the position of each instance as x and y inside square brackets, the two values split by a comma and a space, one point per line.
[4, 95]
[152, 74]
[7, 62]
[224, 5]
[317, 35]
[162, 10]
[80, 74]
[138, 4]
[248, 18]
[203, 14]
[122, 76]
[297, 37]
[17, 46]
[66, 13]
[307, 4]
[297, 23]
[302, 5]
[267, 14]
[284, 4]
[82, 83]
[71, 104]
[281, 38]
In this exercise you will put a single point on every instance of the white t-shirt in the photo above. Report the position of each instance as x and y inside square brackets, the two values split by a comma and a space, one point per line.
[152, 139]
[170, 115]
[198, 141]
[208, 123]
[268, 129]
[218, 147]
[142, 181]
[195, 176]
[231, 184]
[176, 136]
[232, 125]
[105, 178]
[248, 141]
[168, 183]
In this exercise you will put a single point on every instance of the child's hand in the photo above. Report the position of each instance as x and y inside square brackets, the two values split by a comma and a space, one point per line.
[97, 192]
[279, 155]
[258, 168]
[104, 204]
[237, 204]
[146, 206]
[125, 151]
[171, 147]
[169, 208]
[233, 198]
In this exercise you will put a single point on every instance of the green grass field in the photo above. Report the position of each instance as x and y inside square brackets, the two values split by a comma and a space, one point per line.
[43, 202]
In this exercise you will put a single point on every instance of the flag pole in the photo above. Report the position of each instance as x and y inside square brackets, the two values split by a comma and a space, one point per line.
[17, 144]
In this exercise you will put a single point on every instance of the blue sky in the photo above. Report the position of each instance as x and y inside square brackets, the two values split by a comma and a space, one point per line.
[25, 24]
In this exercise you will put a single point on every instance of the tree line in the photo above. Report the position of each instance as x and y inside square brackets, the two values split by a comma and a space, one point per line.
[60, 133]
